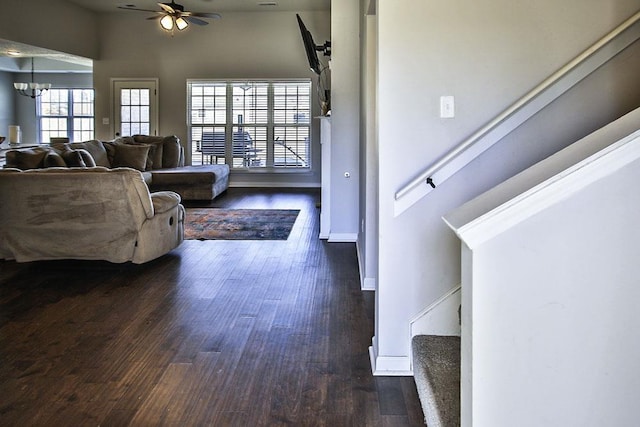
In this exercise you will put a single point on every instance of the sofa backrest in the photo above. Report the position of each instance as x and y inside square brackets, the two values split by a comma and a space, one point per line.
[141, 152]
[94, 209]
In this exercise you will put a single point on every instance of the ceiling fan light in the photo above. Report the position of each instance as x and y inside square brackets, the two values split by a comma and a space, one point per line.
[167, 22]
[181, 23]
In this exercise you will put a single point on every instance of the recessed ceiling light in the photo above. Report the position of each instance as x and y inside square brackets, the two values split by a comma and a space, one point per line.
[13, 52]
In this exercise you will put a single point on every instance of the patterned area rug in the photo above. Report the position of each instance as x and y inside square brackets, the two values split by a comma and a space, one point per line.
[239, 224]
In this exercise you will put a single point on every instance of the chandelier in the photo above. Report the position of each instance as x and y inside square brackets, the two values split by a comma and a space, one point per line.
[32, 89]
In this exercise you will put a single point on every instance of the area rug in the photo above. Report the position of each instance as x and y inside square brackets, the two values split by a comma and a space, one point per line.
[239, 224]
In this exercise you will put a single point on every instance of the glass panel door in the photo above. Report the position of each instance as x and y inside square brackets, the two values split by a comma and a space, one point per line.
[135, 105]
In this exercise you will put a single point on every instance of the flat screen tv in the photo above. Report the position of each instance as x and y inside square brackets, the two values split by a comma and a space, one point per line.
[311, 48]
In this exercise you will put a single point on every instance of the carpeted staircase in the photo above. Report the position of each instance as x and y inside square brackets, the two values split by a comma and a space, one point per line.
[436, 371]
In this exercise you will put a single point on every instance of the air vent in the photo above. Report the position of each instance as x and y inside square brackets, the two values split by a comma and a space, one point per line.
[267, 3]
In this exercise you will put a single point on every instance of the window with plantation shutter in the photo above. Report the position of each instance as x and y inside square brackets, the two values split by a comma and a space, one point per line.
[262, 124]
[66, 113]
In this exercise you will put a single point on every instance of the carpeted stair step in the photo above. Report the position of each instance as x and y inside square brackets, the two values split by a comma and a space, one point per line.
[436, 371]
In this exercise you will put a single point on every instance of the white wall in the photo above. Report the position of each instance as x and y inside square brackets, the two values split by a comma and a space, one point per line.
[239, 46]
[552, 315]
[368, 237]
[487, 54]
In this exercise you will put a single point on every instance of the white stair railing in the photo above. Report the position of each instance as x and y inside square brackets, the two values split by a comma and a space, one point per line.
[519, 112]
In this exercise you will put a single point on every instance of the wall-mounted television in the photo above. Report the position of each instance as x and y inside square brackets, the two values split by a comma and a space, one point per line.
[311, 48]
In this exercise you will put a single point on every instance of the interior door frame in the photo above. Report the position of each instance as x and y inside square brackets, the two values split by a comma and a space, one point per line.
[118, 83]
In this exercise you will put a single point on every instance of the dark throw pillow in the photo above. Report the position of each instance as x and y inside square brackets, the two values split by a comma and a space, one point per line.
[30, 158]
[73, 159]
[54, 160]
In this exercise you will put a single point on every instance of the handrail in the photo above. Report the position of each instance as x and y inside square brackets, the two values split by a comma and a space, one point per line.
[427, 177]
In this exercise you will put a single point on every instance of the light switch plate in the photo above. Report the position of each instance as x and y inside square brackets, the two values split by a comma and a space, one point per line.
[447, 107]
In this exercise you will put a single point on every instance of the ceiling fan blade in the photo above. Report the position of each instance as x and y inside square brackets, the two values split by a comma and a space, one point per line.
[135, 8]
[194, 20]
[206, 15]
[167, 8]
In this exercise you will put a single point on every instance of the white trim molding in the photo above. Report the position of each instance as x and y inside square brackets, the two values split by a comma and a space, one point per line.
[389, 366]
[441, 317]
[549, 192]
[369, 284]
[343, 237]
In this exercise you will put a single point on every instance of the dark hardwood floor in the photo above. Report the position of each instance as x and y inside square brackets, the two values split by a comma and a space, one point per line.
[216, 333]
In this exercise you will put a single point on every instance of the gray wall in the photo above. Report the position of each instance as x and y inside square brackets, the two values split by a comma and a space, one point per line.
[7, 112]
[50, 24]
[25, 107]
[239, 46]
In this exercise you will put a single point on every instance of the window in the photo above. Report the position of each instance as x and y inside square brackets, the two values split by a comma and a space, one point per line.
[250, 124]
[66, 113]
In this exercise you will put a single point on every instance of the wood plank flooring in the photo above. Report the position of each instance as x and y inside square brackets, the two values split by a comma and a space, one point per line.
[216, 333]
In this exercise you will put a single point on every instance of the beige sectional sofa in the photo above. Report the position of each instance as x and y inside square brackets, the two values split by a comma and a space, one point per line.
[92, 213]
[160, 159]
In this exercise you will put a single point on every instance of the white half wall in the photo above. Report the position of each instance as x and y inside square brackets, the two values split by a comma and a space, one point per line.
[550, 301]
[486, 54]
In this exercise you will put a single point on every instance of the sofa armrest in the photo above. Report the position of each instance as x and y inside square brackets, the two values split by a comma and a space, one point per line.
[164, 201]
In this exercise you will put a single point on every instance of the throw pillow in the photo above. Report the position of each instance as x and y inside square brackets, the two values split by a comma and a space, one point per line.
[110, 148]
[54, 160]
[171, 152]
[131, 156]
[155, 150]
[30, 158]
[87, 158]
[74, 159]
[96, 149]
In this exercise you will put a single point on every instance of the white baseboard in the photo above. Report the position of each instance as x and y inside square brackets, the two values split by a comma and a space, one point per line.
[343, 237]
[264, 184]
[369, 284]
[366, 283]
[389, 366]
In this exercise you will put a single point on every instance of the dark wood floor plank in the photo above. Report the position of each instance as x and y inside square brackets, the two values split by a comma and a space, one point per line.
[216, 333]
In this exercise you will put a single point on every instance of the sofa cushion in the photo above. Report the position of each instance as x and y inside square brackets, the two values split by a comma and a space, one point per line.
[131, 156]
[29, 158]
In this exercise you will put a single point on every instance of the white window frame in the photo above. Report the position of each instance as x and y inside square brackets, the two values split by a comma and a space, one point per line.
[69, 117]
[230, 127]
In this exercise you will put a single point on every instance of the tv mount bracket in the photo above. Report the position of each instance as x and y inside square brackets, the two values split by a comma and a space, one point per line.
[324, 48]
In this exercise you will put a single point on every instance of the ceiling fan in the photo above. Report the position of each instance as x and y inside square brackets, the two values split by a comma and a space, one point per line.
[174, 16]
